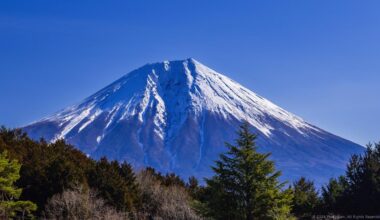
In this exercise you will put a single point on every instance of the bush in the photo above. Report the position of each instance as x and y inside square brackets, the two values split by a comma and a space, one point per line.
[80, 204]
[160, 201]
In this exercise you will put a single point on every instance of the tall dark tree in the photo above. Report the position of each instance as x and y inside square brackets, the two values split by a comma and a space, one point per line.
[193, 187]
[358, 192]
[305, 200]
[245, 184]
[363, 181]
[333, 199]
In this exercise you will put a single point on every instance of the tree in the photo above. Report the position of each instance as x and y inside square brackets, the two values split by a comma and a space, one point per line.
[305, 200]
[9, 193]
[363, 182]
[161, 201]
[358, 192]
[332, 200]
[80, 203]
[193, 187]
[116, 183]
[245, 184]
[169, 179]
[51, 168]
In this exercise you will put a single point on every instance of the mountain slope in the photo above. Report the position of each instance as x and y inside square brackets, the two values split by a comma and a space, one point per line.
[176, 116]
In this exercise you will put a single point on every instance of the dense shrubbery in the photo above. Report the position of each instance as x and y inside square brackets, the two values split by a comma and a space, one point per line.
[51, 175]
[66, 184]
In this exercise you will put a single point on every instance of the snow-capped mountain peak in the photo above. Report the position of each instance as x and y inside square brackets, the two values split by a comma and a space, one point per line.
[185, 85]
[157, 114]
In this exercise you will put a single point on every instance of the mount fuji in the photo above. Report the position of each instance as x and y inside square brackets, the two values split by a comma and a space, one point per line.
[176, 116]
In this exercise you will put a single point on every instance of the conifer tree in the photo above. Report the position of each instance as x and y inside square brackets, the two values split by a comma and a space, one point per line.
[358, 192]
[363, 182]
[245, 184]
[193, 187]
[9, 193]
[306, 200]
[115, 183]
[333, 199]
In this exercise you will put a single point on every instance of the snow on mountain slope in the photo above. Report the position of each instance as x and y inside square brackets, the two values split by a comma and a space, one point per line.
[176, 116]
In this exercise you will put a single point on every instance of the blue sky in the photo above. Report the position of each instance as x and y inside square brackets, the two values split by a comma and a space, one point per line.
[318, 59]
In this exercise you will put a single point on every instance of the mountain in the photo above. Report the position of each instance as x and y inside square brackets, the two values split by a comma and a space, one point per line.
[176, 116]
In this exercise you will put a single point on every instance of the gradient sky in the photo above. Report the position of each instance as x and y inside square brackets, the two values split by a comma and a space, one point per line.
[318, 59]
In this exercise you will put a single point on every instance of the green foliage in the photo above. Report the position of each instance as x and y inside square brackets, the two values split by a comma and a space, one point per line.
[332, 196]
[358, 192]
[245, 184]
[9, 193]
[116, 183]
[169, 179]
[9, 173]
[193, 187]
[305, 200]
[23, 209]
[50, 169]
[363, 179]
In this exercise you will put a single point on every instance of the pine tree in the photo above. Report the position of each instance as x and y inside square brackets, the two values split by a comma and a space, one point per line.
[245, 184]
[306, 200]
[115, 183]
[363, 182]
[358, 192]
[333, 200]
[9, 193]
[193, 187]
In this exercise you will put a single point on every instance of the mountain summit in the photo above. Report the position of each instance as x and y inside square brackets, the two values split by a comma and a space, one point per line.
[176, 116]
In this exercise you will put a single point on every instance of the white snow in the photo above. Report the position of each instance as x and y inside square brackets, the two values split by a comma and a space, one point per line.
[91, 119]
[73, 120]
[171, 91]
[98, 139]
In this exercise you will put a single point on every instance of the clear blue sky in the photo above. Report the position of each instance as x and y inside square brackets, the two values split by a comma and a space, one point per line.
[318, 59]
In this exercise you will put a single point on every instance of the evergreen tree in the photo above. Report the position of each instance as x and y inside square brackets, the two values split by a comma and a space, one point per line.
[245, 184]
[193, 187]
[305, 200]
[333, 199]
[115, 183]
[358, 192]
[363, 182]
[50, 169]
[169, 179]
[9, 193]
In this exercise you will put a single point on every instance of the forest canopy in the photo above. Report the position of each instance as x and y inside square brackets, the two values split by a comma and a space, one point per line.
[55, 180]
